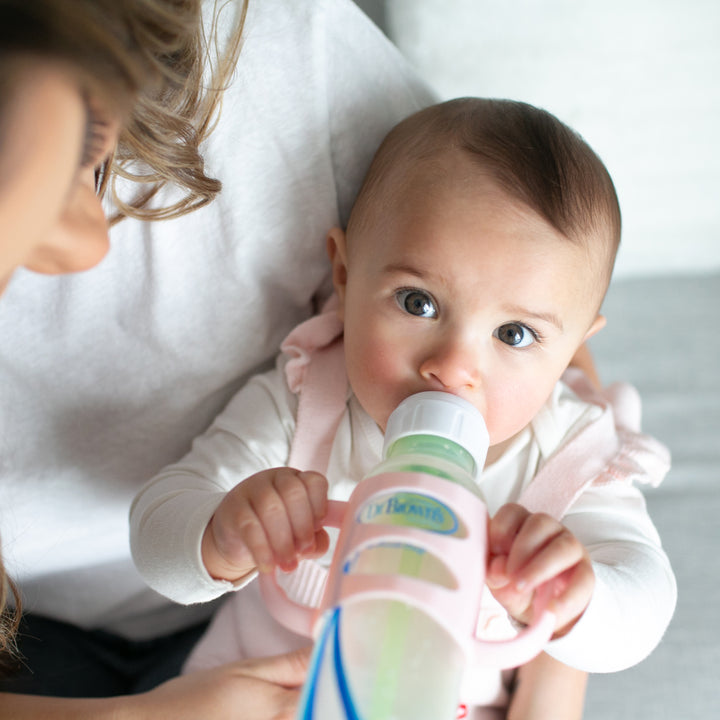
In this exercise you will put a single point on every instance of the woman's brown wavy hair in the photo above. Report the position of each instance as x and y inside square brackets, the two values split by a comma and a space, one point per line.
[9, 617]
[160, 64]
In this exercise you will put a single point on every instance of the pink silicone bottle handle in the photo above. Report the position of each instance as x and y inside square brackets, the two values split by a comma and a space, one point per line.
[501, 654]
[506, 654]
[294, 616]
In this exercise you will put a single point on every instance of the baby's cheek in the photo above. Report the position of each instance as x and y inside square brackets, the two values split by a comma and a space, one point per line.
[510, 411]
[375, 379]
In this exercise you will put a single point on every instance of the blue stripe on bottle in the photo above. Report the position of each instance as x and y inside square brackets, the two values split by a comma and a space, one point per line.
[308, 700]
[343, 687]
[330, 633]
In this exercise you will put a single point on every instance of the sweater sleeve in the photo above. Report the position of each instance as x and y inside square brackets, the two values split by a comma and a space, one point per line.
[169, 515]
[635, 588]
[365, 99]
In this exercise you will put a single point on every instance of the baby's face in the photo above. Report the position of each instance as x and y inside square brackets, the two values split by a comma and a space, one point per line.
[465, 290]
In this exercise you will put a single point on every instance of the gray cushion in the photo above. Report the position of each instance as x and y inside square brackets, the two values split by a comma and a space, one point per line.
[663, 335]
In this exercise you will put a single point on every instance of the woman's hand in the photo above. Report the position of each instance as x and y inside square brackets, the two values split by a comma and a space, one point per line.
[261, 689]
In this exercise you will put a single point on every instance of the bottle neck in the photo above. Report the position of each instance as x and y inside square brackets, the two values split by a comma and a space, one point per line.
[434, 446]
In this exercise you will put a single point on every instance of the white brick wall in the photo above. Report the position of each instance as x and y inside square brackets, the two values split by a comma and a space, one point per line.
[640, 79]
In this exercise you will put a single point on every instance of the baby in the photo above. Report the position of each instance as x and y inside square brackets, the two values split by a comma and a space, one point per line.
[475, 262]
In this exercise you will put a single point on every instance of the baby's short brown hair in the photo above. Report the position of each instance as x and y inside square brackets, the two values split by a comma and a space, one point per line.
[533, 156]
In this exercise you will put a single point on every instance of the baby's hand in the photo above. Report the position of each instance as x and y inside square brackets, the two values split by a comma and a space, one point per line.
[530, 549]
[270, 519]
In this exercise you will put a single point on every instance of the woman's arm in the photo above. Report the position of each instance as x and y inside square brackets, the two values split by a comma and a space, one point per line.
[254, 690]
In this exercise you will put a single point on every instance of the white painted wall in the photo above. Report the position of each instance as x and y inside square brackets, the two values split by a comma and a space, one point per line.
[639, 79]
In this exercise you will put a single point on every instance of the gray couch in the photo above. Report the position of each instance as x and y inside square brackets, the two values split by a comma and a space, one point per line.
[662, 336]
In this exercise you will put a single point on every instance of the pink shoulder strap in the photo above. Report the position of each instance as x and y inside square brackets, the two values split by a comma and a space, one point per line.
[316, 372]
[610, 449]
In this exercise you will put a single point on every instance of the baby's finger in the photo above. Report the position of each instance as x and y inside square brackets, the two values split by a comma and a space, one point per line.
[298, 508]
[252, 535]
[537, 532]
[321, 543]
[316, 486]
[572, 594]
[517, 604]
[268, 506]
[496, 575]
[547, 558]
[503, 528]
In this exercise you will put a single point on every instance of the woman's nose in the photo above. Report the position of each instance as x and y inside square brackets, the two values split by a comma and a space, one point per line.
[78, 239]
[454, 363]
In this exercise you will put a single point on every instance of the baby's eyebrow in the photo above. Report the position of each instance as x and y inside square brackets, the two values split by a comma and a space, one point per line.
[547, 317]
[404, 269]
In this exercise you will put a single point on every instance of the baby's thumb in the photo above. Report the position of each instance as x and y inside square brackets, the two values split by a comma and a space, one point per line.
[496, 576]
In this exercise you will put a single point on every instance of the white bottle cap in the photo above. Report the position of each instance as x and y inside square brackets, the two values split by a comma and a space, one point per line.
[443, 415]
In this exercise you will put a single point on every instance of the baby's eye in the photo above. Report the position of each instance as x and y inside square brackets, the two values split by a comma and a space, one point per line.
[416, 302]
[515, 335]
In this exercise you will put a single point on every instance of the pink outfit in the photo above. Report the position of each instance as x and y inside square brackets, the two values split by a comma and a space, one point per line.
[608, 449]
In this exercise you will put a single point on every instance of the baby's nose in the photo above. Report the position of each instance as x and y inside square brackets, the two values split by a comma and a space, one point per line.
[454, 364]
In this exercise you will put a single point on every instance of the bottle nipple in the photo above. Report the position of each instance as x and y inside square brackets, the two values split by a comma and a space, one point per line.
[441, 415]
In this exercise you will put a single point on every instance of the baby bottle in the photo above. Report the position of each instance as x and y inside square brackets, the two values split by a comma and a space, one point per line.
[395, 630]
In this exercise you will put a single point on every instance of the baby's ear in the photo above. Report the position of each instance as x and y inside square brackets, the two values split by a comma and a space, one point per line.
[597, 325]
[337, 252]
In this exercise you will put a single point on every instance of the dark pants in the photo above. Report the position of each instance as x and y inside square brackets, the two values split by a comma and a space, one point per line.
[64, 661]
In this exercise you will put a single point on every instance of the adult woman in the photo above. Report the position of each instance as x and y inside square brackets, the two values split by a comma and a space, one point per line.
[143, 358]
[28, 238]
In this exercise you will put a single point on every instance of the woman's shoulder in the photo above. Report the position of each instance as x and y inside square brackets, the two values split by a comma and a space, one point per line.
[318, 86]
[332, 47]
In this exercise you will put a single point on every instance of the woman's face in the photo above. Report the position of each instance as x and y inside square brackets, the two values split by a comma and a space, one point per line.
[52, 138]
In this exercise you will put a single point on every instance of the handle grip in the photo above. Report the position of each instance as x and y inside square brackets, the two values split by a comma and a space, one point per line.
[294, 616]
[506, 654]
[502, 654]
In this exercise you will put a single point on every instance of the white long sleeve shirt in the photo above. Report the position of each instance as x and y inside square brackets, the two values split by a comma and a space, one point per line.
[635, 588]
[107, 376]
